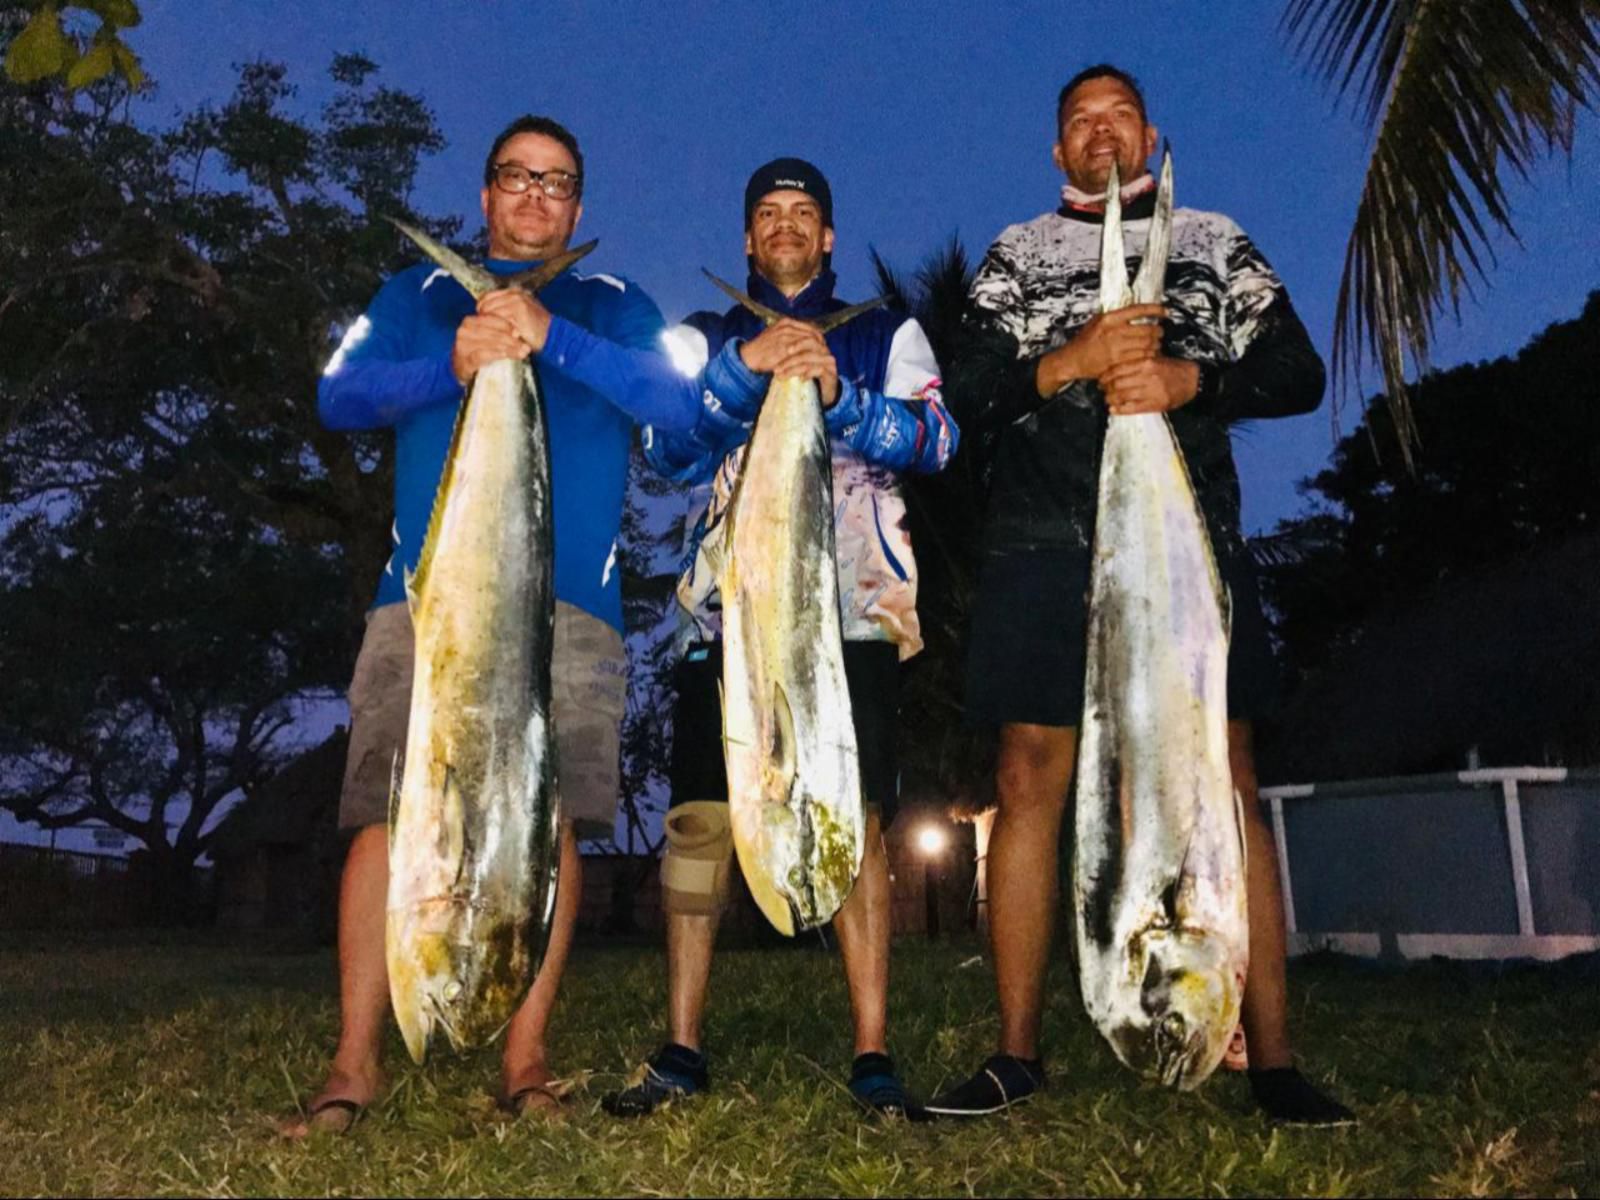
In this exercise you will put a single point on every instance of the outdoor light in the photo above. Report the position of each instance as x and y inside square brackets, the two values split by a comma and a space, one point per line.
[931, 840]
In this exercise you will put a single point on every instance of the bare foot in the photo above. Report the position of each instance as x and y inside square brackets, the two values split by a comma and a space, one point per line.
[532, 1089]
[336, 1109]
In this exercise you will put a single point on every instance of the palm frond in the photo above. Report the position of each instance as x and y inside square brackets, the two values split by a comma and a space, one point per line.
[1289, 545]
[1456, 90]
[936, 292]
[894, 289]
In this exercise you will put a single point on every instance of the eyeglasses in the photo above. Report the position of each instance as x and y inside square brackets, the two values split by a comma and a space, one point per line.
[557, 184]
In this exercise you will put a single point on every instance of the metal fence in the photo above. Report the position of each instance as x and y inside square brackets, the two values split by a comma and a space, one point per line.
[1495, 863]
[44, 888]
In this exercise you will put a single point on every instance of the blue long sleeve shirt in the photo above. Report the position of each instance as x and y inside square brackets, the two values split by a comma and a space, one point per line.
[889, 418]
[392, 370]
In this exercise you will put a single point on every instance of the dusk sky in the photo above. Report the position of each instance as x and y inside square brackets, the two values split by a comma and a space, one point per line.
[928, 118]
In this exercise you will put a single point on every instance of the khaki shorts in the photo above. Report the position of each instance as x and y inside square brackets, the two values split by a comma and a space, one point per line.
[589, 687]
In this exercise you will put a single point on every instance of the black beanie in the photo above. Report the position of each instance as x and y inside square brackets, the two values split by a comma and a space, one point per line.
[783, 173]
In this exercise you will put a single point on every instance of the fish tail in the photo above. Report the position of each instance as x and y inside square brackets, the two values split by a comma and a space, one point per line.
[475, 279]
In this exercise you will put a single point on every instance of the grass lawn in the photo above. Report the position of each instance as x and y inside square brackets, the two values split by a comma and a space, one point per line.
[157, 1068]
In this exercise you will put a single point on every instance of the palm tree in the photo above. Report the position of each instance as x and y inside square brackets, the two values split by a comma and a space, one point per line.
[944, 762]
[1454, 91]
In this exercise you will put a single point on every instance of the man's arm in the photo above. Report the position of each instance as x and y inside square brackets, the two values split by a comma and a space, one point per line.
[989, 383]
[636, 364]
[729, 398]
[993, 384]
[371, 381]
[905, 426]
[641, 382]
[1276, 371]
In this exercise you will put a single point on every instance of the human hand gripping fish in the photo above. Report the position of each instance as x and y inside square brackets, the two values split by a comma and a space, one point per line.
[794, 785]
[1162, 929]
[474, 816]
[794, 349]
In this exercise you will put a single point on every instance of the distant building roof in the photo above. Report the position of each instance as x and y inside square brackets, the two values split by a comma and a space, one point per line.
[283, 811]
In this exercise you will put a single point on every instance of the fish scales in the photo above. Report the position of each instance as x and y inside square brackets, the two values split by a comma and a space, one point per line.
[474, 820]
[794, 783]
[1159, 870]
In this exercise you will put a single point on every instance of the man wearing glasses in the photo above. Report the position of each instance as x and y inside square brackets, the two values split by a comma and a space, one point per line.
[405, 365]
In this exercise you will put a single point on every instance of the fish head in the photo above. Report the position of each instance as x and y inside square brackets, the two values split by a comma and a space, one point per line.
[462, 972]
[1189, 992]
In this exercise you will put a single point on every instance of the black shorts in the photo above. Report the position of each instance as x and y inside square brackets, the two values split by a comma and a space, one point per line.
[1026, 655]
[872, 672]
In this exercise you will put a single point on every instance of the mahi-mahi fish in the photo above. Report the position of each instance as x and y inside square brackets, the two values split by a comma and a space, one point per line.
[1159, 866]
[794, 782]
[474, 817]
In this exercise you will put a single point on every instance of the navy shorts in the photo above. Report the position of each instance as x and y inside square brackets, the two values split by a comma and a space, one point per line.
[872, 672]
[1026, 655]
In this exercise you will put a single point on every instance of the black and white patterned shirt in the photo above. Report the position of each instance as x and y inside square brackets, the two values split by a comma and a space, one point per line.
[1038, 284]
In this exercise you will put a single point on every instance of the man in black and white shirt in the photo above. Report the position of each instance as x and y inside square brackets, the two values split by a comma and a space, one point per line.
[1039, 376]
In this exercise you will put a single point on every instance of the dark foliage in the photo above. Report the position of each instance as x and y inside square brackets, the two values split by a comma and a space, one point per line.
[184, 551]
[1457, 95]
[943, 760]
[1422, 613]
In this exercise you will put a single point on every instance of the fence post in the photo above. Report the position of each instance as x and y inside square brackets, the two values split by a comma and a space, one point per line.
[1519, 858]
[1280, 836]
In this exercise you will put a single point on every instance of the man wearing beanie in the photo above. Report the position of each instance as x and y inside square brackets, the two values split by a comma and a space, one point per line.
[884, 415]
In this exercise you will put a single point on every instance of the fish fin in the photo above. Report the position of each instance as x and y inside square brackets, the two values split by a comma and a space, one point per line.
[538, 277]
[1214, 572]
[416, 1026]
[410, 578]
[417, 580]
[463, 837]
[1244, 850]
[835, 319]
[541, 749]
[475, 279]
[782, 746]
[1150, 284]
[1113, 269]
[452, 823]
[769, 315]
[396, 776]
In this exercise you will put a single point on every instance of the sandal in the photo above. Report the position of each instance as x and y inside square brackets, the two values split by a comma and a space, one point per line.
[353, 1112]
[521, 1100]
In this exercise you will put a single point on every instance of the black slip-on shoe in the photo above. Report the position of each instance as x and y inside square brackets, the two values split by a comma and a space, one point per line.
[1289, 1098]
[1002, 1081]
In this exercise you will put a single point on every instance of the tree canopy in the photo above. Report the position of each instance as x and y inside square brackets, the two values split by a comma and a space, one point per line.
[1457, 95]
[188, 549]
[1453, 599]
[44, 48]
